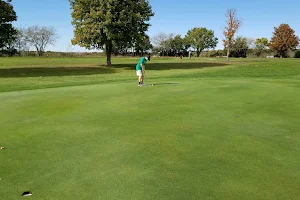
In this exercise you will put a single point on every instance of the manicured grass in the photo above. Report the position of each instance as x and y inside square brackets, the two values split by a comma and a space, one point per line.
[37, 73]
[219, 131]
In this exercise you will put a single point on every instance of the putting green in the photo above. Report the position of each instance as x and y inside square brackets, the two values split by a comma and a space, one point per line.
[198, 139]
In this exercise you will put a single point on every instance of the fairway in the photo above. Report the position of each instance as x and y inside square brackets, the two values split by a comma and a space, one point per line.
[75, 129]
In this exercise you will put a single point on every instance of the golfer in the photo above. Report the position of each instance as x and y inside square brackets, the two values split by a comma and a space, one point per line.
[140, 69]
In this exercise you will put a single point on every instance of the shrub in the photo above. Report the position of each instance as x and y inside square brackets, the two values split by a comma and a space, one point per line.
[216, 53]
[297, 54]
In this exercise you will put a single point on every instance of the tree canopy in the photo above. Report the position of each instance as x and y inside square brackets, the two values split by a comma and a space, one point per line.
[260, 45]
[7, 31]
[201, 38]
[101, 24]
[240, 43]
[283, 39]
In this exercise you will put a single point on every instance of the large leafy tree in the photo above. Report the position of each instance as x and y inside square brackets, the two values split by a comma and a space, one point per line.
[232, 26]
[201, 38]
[102, 24]
[7, 16]
[283, 39]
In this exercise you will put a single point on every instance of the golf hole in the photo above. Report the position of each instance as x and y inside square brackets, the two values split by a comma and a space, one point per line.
[26, 194]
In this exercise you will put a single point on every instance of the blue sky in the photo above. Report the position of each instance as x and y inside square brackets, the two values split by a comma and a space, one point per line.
[171, 16]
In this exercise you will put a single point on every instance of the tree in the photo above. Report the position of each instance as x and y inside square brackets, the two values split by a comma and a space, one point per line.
[233, 24]
[260, 45]
[283, 39]
[163, 42]
[21, 43]
[18, 45]
[297, 54]
[251, 43]
[159, 39]
[185, 43]
[239, 47]
[142, 44]
[177, 43]
[40, 37]
[120, 48]
[201, 38]
[169, 44]
[240, 43]
[7, 31]
[103, 24]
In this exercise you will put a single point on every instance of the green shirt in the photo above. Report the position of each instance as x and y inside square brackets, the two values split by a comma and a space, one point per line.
[142, 61]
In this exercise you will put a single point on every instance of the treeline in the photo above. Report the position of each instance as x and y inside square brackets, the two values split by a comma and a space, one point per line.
[128, 38]
[197, 43]
[19, 41]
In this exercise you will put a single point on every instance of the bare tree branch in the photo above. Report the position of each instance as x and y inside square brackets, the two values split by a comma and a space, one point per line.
[40, 37]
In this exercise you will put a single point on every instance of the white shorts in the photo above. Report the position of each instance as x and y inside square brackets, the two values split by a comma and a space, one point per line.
[140, 73]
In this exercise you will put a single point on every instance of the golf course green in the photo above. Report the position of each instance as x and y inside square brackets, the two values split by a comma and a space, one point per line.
[73, 128]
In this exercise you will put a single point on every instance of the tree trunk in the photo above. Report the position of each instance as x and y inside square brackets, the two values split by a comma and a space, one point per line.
[108, 49]
[228, 52]
[41, 53]
[198, 52]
